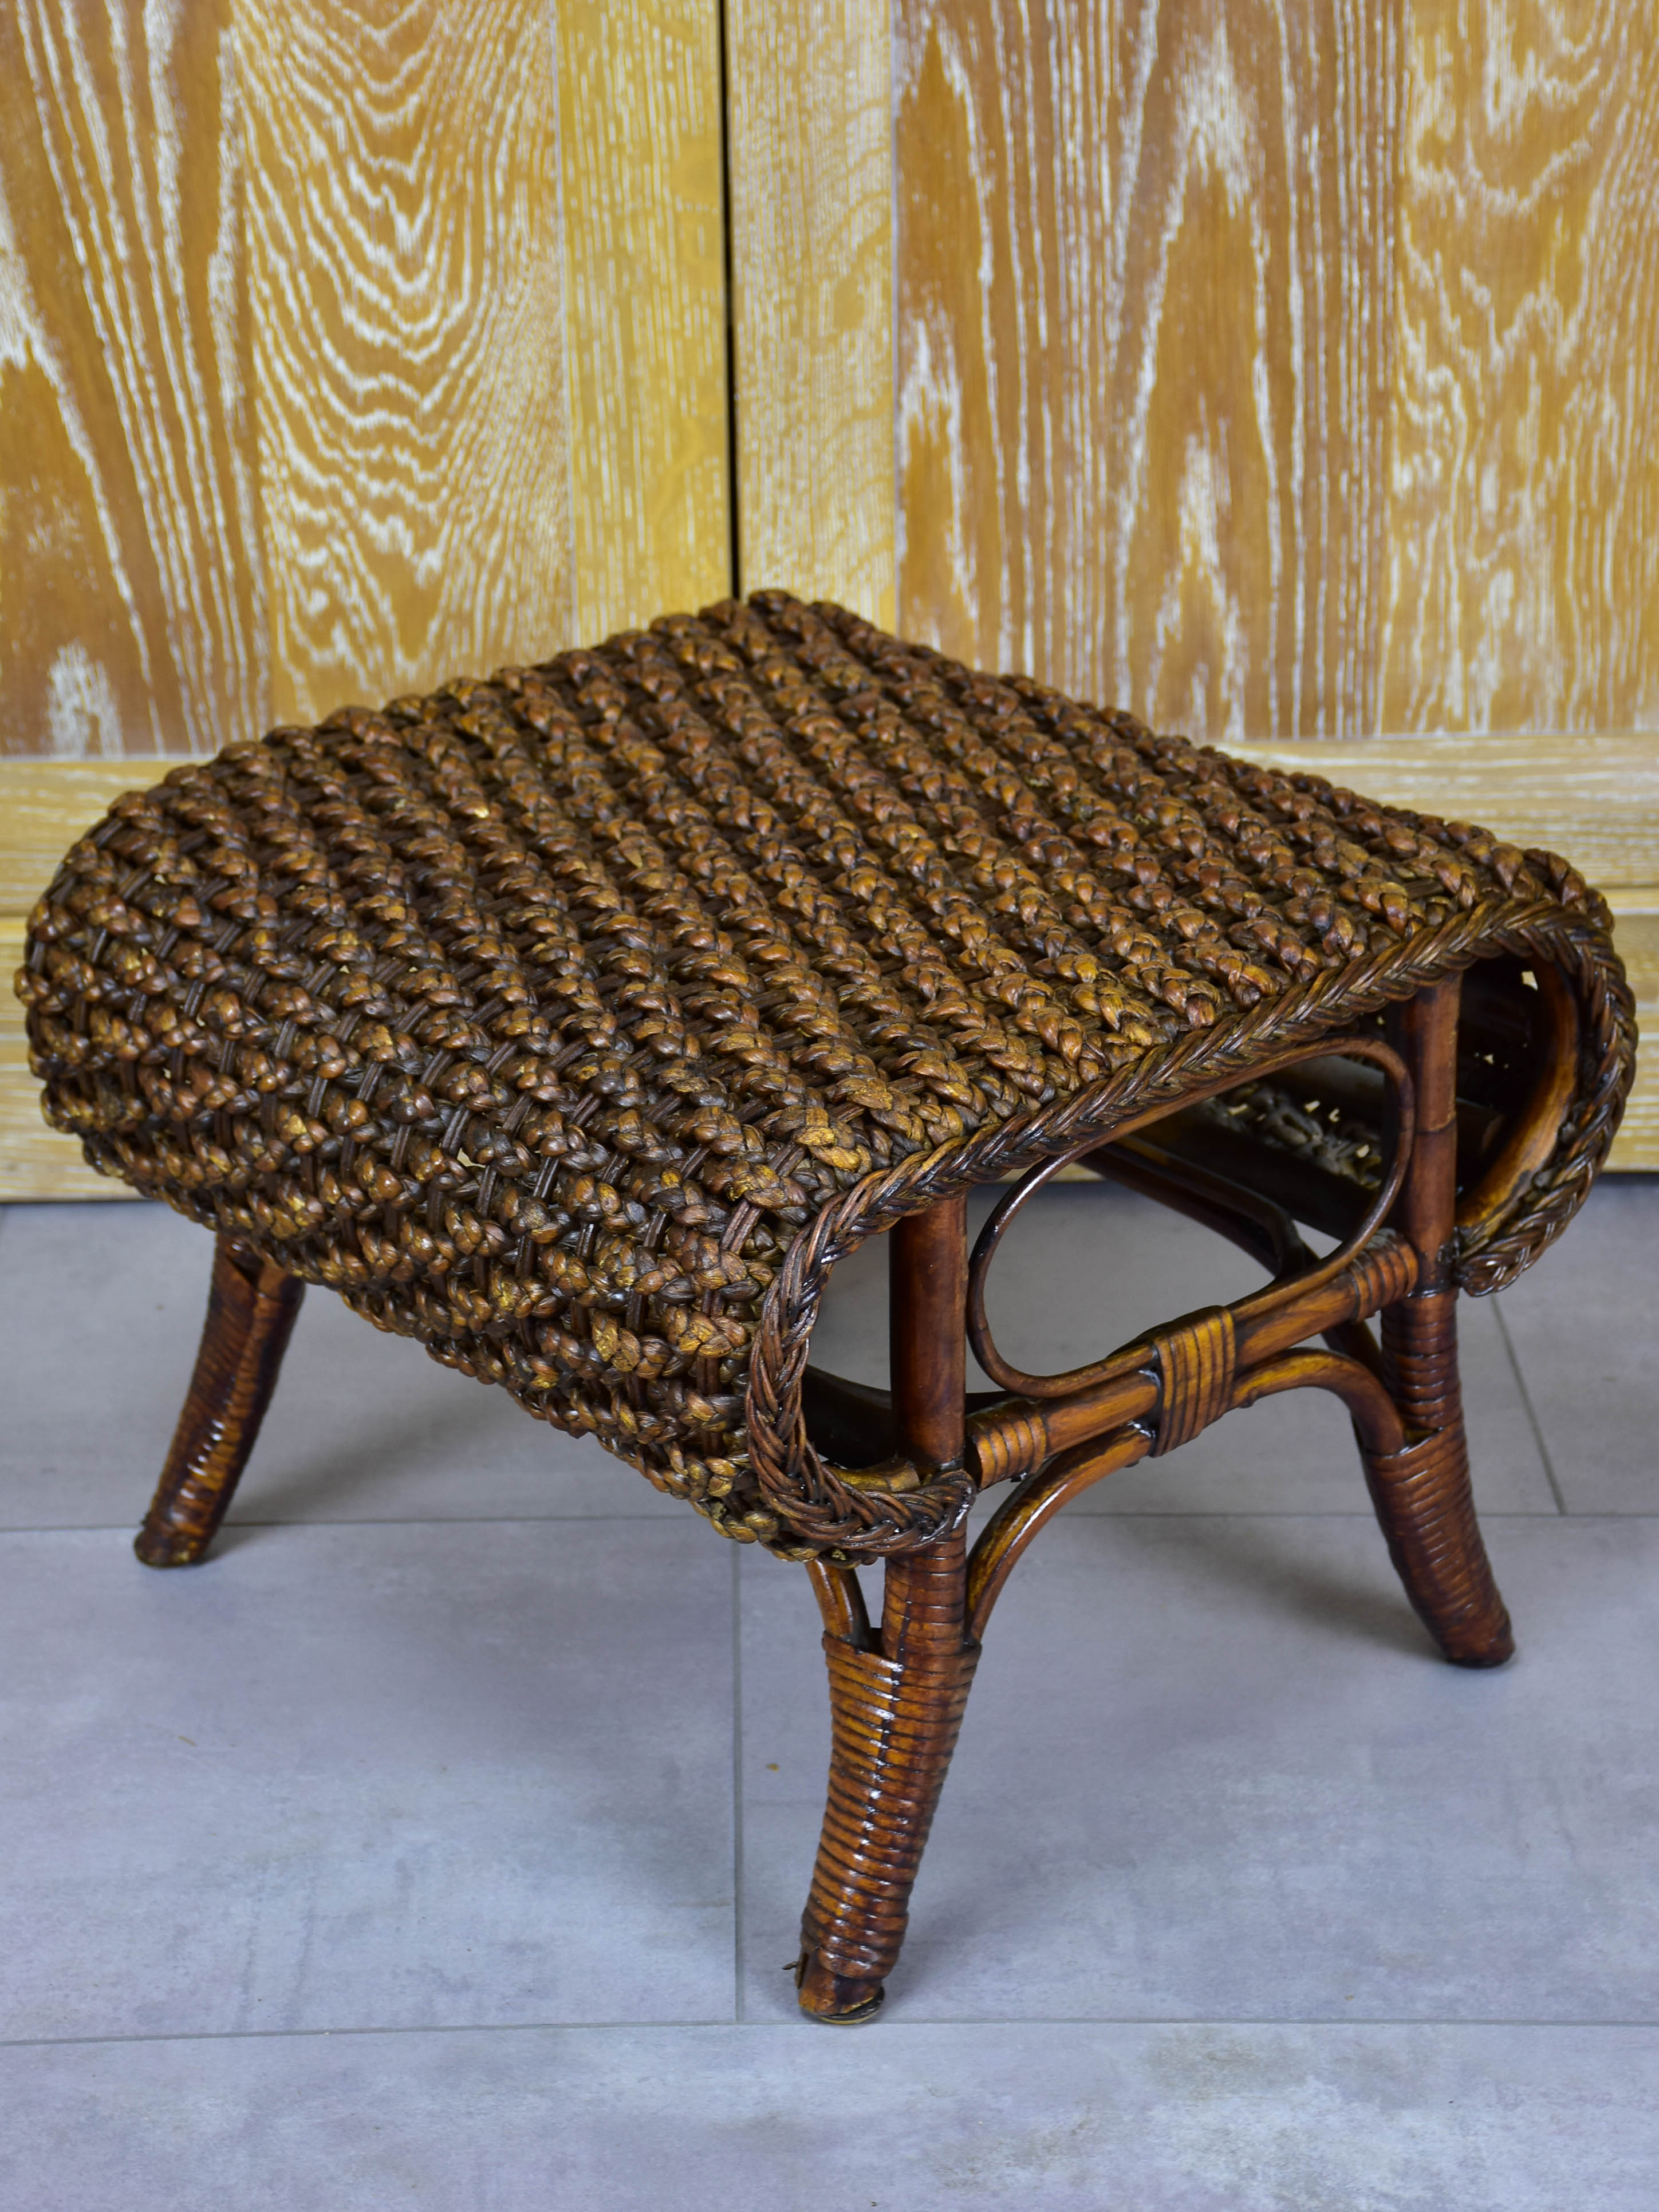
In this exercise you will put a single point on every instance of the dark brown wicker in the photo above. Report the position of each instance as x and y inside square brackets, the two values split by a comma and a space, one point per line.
[578, 1021]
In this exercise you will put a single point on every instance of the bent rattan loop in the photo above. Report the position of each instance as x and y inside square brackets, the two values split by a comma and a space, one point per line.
[1291, 1282]
[849, 1524]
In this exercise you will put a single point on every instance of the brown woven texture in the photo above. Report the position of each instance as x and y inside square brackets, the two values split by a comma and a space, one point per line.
[579, 1020]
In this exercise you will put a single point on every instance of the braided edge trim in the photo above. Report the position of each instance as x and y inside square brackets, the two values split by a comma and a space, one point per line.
[831, 1516]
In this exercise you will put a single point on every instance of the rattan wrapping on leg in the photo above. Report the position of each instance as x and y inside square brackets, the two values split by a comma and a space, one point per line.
[895, 1729]
[895, 1716]
[251, 1307]
[1422, 1495]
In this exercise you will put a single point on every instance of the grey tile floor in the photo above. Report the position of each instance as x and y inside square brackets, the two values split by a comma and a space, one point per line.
[440, 1841]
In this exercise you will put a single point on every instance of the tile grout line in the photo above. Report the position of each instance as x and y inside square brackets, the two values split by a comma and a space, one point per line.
[786, 2025]
[739, 1993]
[1531, 1412]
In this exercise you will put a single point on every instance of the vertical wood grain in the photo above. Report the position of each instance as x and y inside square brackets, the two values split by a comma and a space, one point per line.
[810, 148]
[343, 346]
[1523, 527]
[1145, 347]
[639, 103]
[404, 277]
[1003, 270]
[132, 585]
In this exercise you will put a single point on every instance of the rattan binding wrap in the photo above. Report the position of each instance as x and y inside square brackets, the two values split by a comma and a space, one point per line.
[577, 1021]
[1422, 1494]
[893, 1731]
[1195, 1358]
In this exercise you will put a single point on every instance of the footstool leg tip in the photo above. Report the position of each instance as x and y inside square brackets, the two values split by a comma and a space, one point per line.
[837, 2000]
[166, 1547]
[1497, 1653]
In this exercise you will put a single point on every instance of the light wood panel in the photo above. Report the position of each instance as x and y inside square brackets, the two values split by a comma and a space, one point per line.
[1285, 372]
[343, 346]
[810, 149]
[405, 283]
[131, 579]
[639, 100]
[1523, 530]
[1142, 249]
[1637, 933]
[44, 807]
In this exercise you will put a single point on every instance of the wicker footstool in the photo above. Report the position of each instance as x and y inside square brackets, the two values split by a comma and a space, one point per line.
[579, 1021]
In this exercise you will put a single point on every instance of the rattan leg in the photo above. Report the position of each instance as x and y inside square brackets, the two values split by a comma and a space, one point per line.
[250, 1311]
[1422, 1494]
[896, 1708]
[895, 1721]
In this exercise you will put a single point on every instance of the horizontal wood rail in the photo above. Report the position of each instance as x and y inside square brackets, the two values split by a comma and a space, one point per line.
[1009, 1439]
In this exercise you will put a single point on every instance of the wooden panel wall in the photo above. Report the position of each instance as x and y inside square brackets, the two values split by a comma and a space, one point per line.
[1288, 374]
[344, 346]
[403, 272]
[640, 102]
[1286, 371]
[131, 561]
[43, 805]
[1283, 374]
[1141, 249]
[811, 171]
[1523, 525]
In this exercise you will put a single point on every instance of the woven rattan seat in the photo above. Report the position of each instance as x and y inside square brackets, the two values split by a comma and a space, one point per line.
[578, 1020]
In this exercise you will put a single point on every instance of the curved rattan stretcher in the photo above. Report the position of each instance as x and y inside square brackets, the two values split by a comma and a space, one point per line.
[578, 1022]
